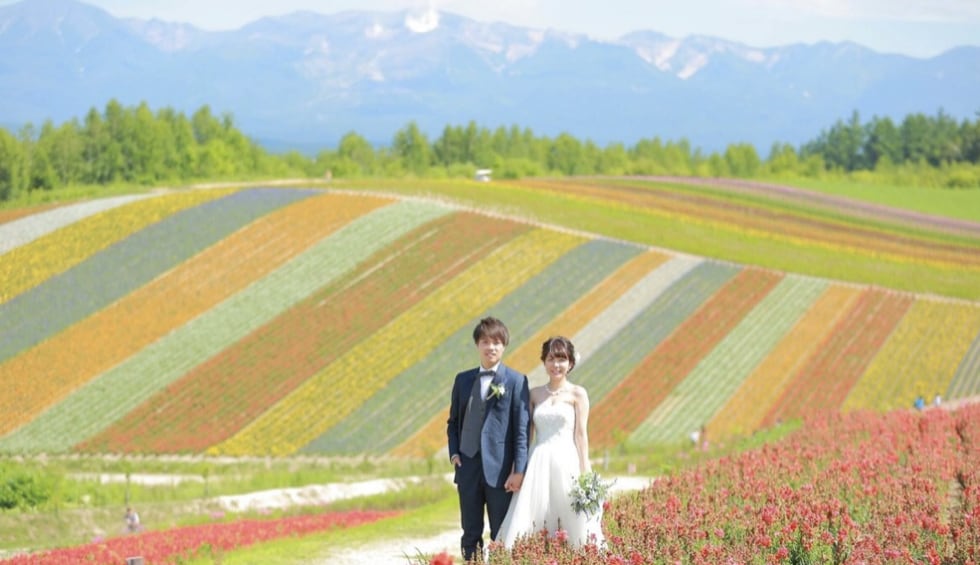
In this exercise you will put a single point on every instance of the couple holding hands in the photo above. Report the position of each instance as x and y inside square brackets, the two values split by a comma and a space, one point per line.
[493, 417]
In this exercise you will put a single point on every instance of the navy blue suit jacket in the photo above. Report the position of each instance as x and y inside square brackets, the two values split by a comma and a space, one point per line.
[506, 423]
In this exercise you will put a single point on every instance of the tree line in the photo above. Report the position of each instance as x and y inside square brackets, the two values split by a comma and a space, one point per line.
[937, 140]
[135, 145]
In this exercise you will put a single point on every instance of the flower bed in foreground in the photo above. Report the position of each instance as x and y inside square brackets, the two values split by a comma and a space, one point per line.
[858, 488]
[172, 546]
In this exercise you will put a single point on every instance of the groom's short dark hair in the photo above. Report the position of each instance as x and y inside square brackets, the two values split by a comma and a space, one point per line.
[493, 328]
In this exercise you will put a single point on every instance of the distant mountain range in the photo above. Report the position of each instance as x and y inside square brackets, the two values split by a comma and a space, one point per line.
[304, 80]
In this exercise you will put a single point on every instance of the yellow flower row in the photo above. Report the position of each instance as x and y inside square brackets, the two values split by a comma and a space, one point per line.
[920, 357]
[747, 408]
[431, 437]
[29, 265]
[59, 365]
[341, 387]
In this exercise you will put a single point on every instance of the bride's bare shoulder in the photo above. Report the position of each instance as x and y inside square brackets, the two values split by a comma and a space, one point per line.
[538, 392]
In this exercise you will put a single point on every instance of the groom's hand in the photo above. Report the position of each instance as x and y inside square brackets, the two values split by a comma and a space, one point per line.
[456, 461]
[514, 482]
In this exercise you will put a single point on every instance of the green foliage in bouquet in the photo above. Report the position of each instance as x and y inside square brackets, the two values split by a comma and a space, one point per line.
[589, 492]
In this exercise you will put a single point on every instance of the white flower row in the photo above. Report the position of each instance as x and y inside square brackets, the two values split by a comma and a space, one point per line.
[25, 230]
[619, 314]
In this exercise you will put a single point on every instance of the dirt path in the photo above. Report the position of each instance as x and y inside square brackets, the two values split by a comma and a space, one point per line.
[404, 551]
[398, 550]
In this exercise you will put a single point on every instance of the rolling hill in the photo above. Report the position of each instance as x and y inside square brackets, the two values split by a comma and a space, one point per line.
[331, 320]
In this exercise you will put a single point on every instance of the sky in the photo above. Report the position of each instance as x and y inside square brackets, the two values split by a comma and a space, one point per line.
[919, 28]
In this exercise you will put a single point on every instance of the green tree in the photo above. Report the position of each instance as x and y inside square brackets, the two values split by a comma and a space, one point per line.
[742, 160]
[782, 159]
[566, 155]
[883, 141]
[206, 126]
[151, 143]
[359, 151]
[64, 145]
[101, 156]
[614, 160]
[916, 143]
[180, 150]
[843, 144]
[479, 146]
[717, 166]
[41, 173]
[450, 147]
[678, 157]
[412, 148]
[11, 166]
[216, 160]
[970, 140]
[948, 147]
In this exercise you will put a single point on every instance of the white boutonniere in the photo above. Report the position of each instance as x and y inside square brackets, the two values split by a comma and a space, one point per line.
[497, 391]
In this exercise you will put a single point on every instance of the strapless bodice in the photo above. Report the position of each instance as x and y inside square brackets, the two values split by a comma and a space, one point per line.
[554, 421]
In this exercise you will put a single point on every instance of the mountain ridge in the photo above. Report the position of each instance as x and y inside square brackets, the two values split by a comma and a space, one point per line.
[306, 79]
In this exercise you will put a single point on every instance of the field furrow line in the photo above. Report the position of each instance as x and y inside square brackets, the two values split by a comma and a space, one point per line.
[720, 372]
[745, 410]
[242, 381]
[431, 436]
[966, 382]
[24, 230]
[623, 368]
[67, 360]
[389, 417]
[117, 270]
[335, 392]
[842, 359]
[919, 358]
[116, 392]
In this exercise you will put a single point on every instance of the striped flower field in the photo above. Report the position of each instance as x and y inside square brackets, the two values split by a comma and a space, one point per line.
[280, 321]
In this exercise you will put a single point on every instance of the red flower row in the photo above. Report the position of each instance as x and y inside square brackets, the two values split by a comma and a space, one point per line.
[169, 546]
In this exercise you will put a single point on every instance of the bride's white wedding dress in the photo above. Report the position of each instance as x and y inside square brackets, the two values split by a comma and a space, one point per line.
[543, 501]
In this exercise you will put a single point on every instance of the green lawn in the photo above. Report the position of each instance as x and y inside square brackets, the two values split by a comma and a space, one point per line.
[963, 204]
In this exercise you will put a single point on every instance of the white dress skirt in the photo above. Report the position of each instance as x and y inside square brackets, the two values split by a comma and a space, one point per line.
[543, 503]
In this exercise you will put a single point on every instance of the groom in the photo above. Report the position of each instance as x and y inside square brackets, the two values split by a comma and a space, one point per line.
[488, 428]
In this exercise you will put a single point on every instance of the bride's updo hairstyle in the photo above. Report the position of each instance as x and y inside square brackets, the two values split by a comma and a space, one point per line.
[561, 347]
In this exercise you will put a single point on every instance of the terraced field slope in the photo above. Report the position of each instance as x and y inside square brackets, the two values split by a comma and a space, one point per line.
[279, 321]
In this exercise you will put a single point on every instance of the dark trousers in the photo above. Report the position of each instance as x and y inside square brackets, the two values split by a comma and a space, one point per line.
[475, 495]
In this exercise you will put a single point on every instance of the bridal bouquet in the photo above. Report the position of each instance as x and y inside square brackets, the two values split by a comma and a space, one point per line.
[588, 493]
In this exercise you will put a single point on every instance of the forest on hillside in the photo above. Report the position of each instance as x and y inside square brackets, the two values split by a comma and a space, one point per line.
[137, 145]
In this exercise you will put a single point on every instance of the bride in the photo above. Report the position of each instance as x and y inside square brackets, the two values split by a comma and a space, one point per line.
[559, 453]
